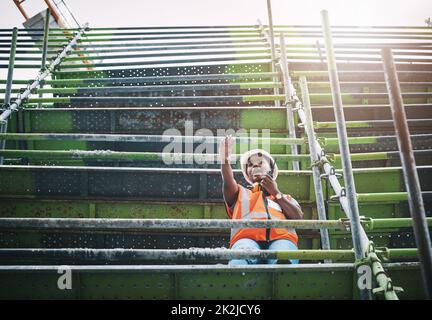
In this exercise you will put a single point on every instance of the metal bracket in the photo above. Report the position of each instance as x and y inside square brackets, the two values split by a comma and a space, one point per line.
[23, 101]
[362, 262]
[382, 253]
[316, 163]
[381, 291]
[373, 257]
[43, 69]
[330, 157]
[322, 154]
[331, 173]
[290, 103]
[367, 223]
[337, 197]
[347, 223]
[371, 247]
[4, 107]
[343, 193]
[322, 141]
[319, 163]
[298, 106]
[302, 125]
[369, 258]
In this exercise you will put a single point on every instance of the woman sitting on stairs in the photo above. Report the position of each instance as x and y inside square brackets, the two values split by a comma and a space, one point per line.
[262, 200]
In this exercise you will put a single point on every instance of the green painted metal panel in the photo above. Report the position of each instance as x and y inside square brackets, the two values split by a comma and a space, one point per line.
[383, 238]
[52, 122]
[143, 122]
[258, 119]
[131, 183]
[334, 282]
[376, 180]
[222, 283]
[18, 183]
[116, 209]
[391, 209]
[174, 239]
[46, 208]
[409, 279]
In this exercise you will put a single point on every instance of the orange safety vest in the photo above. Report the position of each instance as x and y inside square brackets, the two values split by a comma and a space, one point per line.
[250, 206]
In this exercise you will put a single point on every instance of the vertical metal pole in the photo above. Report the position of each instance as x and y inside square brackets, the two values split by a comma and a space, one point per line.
[325, 241]
[11, 66]
[343, 138]
[411, 179]
[45, 39]
[45, 46]
[353, 214]
[288, 98]
[3, 129]
[3, 124]
[272, 48]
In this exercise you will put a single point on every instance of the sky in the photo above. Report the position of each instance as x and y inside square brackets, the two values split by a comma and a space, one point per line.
[128, 13]
[102, 13]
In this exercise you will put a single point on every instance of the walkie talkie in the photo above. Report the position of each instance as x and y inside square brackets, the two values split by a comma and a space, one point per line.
[270, 173]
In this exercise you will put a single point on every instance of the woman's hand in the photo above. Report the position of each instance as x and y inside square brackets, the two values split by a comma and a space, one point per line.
[289, 208]
[230, 187]
[270, 185]
[225, 149]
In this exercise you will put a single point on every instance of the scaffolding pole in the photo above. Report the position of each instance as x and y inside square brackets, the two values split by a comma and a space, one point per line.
[411, 178]
[170, 254]
[8, 90]
[268, 35]
[283, 63]
[315, 160]
[144, 224]
[91, 254]
[45, 47]
[144, 138]
[137, 224]
[272, 46]
[360, 246]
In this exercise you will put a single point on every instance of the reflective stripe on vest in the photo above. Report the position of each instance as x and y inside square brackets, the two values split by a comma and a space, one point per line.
[287, 229]
[245, 208]
[244, 202]
[247, 215]
[252, 215]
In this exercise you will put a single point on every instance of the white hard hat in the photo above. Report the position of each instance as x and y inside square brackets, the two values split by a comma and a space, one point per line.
[245, 157]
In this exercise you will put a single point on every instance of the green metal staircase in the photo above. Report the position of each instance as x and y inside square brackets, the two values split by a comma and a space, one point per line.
[84, 184]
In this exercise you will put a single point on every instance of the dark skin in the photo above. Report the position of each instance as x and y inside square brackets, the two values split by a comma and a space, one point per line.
[255, 170]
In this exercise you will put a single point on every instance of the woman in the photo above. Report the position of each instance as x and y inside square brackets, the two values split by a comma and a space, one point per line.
[260, 201]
